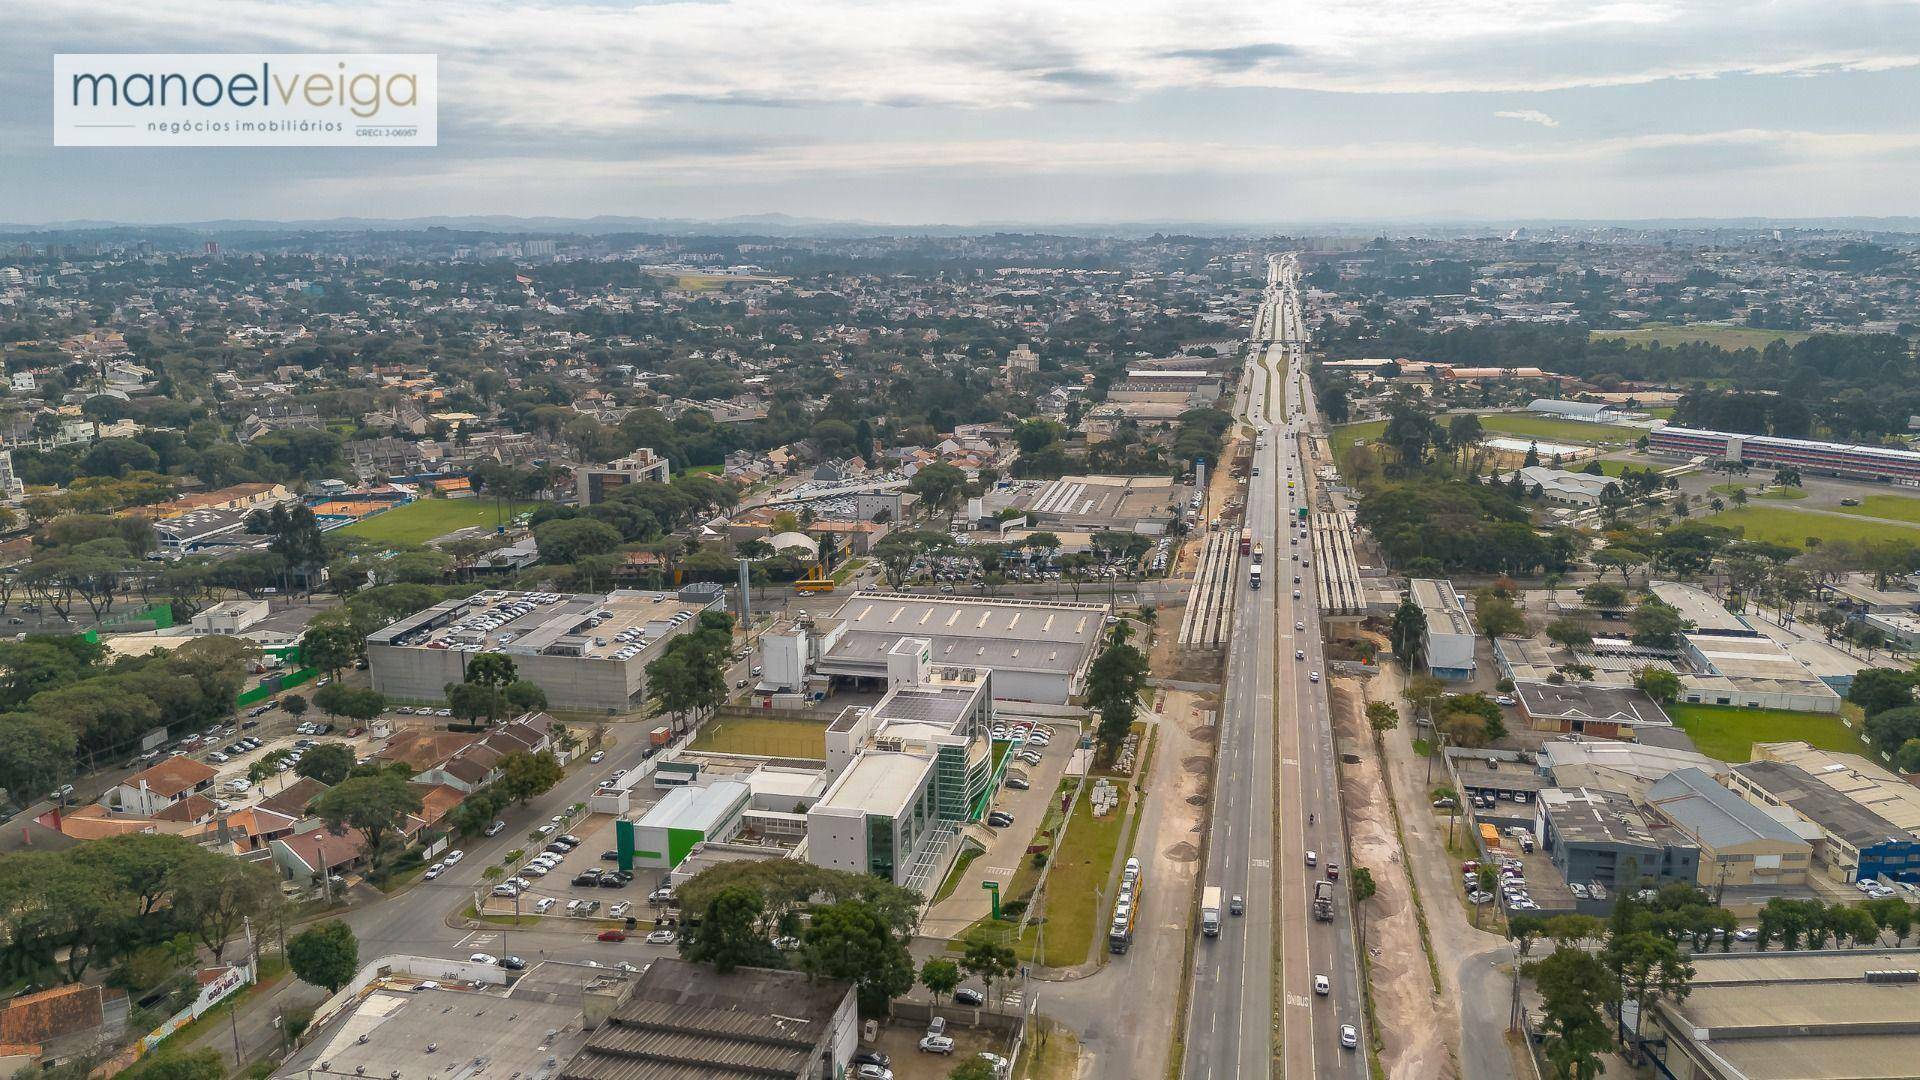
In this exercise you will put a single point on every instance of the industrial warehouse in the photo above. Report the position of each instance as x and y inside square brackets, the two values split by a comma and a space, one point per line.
[587, 651]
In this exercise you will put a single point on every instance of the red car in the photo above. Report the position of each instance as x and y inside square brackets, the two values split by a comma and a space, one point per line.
[613, 935]
[1333, 871]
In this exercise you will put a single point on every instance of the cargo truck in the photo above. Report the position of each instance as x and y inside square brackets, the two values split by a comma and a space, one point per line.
[659, 736]
[1246, 541]
[1210, 911]
[1323, 900]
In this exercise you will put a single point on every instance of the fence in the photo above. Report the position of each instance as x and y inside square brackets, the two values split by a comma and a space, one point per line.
[267, 689]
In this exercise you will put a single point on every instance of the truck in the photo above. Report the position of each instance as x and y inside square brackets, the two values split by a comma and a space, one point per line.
[1253, 576]
[1323, 900]
[1246, 541]
[1210, 911]
[659, 736]
[1120, 934]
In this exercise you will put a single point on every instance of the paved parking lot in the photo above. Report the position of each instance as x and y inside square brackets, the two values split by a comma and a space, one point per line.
[555, 894]
[901, 1042]
[1006, 848]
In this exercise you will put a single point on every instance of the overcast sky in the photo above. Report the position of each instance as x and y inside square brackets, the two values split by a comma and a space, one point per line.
[965, 111]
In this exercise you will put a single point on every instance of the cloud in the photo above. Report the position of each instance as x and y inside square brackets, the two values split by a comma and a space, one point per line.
[1531, 116]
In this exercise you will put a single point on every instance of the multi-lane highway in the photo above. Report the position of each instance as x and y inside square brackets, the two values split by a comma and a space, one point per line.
[1275, 791]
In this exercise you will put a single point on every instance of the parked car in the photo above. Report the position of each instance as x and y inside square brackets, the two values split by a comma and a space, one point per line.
[967, 995]
[936, 1044]
[433, 871]
[1019, 783]
[454, 856]
[483, 958]
[619, 935]
[496, 828]
[660, 937]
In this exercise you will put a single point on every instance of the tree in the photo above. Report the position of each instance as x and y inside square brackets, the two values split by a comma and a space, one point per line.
[1907, 758]
[1114, 683]
[938, 485]
[36, 754]
[1603, 596]
[1382, 716]
[1497, 616]
[1407, 633]
[215, 896]
[377, 805]
[1425, 693]
[1648, 967]
[985, 958]
[1574, 987]
[1876, 690]
[295, 705]
[940, 976]
[524, 697]
[326, 956]
[524, 776]
[328, 763]
[1659, 684]
[1363, 885]
[147, 865]
[1569, 632]
[1656, 625]
[1891, 729]
[732, 934]
[852, 940]
[570, 539]
[331, 647]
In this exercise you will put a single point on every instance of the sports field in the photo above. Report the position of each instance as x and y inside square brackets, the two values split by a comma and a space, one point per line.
[1724, 337]
[418, 522]
[1728, 733]
[1545, 427]
[767, 738]
[1780, 525]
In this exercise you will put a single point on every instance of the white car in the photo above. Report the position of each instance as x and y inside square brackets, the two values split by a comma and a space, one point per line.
[660, 937]
[1313, 858]
[483, 958]
[1321, 986]
[1349, 1036]
[1299, 626]
[1313, 676]
[454, 856]
[1299, 654]
[434, 871]
[936, 1044]
[542, 905]
[598, 757]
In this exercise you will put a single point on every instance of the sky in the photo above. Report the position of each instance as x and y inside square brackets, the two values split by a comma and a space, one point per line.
[1029, 111]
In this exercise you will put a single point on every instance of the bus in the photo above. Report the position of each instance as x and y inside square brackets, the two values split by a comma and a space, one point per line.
[1246, 541]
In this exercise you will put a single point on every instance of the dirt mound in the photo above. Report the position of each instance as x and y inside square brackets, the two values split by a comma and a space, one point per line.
[1204, 733]
[1181, 852]
[1197, 765]
[1196, 800]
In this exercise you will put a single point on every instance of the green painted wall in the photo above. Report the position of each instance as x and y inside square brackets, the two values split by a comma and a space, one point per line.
[681, 841]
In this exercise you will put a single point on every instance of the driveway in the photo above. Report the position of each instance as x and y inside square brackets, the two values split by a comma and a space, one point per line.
[1005, 848]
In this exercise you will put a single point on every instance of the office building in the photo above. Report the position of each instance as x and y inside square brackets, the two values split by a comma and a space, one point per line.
[1807, 455]
[906, 773]
[1579, 708]
[1596, 837]
[1449, 648]
[596, 483]
[588, 652]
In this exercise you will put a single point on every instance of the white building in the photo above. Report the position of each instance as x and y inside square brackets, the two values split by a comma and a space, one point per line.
[1450, 635]
[11, 489]
[906, 774]
[668, 831]
[1566, 488]
[230, 617]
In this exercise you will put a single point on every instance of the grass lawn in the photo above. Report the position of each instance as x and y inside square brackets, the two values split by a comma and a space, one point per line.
[1729, 733]
[1781, 525]
[1342, 438]
[418, 522]
[1082, 865]
[770, 738]
[958, 872]
[710, 470]
[1660, 412]
[1050, 1053]
[1543, 427]
[1725, 337]
[1897, 507]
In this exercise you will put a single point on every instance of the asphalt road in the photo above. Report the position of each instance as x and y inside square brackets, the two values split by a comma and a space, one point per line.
[1272, 709]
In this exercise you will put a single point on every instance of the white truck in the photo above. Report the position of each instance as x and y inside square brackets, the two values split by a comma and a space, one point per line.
[1210, 911]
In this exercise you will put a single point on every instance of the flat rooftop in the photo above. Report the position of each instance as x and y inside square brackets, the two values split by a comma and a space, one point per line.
[591, 626]
[1698, 607]
[1861, 780]
[1445, 613]
[1507, 776]
[879, 782]
[937, 707]
[1009, 635]
[1633, 758]
[1588, 815]
[1794, 787]
[1804, 1016]
[1590, 702]
[466, 1034]
[1114, 500]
